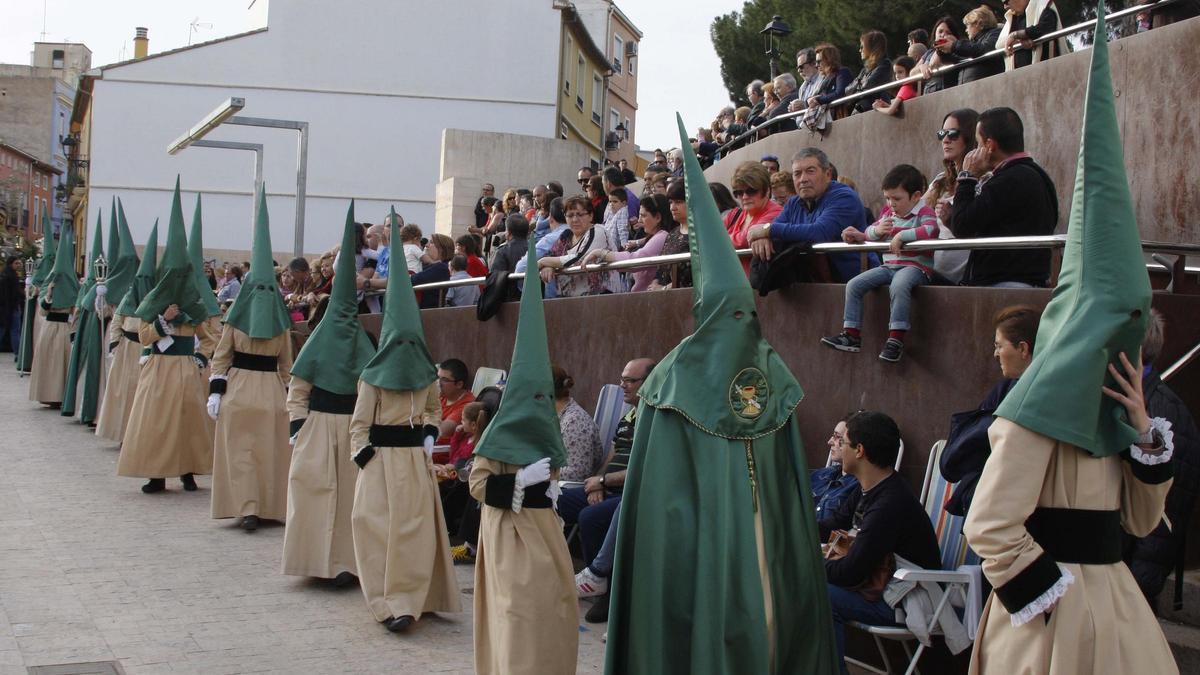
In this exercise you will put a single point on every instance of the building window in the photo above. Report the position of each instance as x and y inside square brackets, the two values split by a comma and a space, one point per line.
[597, 98]
[618, 52]
[614, 119]
[567, 71]
[580, 69]
[628, 128]
[57, 58]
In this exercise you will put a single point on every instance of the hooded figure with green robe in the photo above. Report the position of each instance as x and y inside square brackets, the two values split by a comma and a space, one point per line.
[317, 540]
[1075, 461]
[30, 320]
[51, 355]
[248, 390]
[196, 254]
[526, 609]
[168, 432]
[718, 566]
[127, 283]
[85, 374]
[401, 546]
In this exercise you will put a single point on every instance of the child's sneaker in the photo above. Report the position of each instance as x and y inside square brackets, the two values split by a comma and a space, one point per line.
[893, 349]
[844, 342]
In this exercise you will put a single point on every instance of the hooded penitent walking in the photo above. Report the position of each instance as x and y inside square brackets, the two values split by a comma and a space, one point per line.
[718, 566]
[129, 283]
[85, 375]
[1072, 464]
[317, 541]
[526, 608]
[248, 392]
[167, 430]
[400, 542]
[58, 295]
[31, 319]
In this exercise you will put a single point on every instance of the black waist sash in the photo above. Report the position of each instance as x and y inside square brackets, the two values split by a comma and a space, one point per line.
[57, 317]
[260, 362]
[498, 493]
[1080, 536]
[323, 400]
[396, 436]
[130, 335]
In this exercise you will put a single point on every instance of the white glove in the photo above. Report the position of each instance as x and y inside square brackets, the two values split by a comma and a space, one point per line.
[553, 493]
[429, 446]
[101, 291]
[538, 472]
[214, 405]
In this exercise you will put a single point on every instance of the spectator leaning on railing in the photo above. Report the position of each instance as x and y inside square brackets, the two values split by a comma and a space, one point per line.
[982, 32]
[901, 68]
[876, 71]
[1018, 200]
[1026, 21]
[946, 32]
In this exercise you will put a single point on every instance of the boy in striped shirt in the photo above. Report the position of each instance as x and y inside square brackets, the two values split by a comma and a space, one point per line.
[905, 218]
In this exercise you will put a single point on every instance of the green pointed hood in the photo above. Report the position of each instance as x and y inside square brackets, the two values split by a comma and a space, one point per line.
[748, 392]
[174, 283]
[61, 283]
[112, 246]
[86, 299]
[145, 278]
[402, 361]
[258, 310]
[526, 428]
[338, 349]
[196, 253]
[49, 253]
[1101, 303]
[123, 260]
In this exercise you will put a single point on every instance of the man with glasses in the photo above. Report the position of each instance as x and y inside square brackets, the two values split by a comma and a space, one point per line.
[806, 67]
[585, 176]
[481, 216]
[455, 394]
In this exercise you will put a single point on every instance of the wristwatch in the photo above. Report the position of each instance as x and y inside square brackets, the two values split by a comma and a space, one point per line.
[602, 476]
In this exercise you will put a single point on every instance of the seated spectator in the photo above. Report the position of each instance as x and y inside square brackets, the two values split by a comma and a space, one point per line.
[376, 265]
[616, 221]
[812, 80]
[752, 188]
[884, 521]
[655, 216]
[462, 511]
[233, 284]
[515, 246]
[782, 188]
[831, 485]
[876, 71]
[1025, 22]
[410, 239]
[468, 246]
[740, 124]
[705, 146]
[982, 32]
[1156, 555]
[946, 32]
[557, 225]
[770, 101]
[454, 387]
[577, 240]
[918, 37]
[821, 210]
[657, 185]
[956, 140]
[581, 436]
[674, 165]
[906, 218]
[967, 446]
[439, 251]
[592, 505]
[723, 198]
[677, 275]
[461, 296]
[769, 161]
[901, 69]
[787, 90]
[660, 159]
[1018, 200]
[295, 288]
[754, 94]
[834, 80]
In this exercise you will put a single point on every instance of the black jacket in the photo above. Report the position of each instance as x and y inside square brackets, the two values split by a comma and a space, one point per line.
[968, 448]
[969, 49]
[869, 79]
[508, 255]
[1047, 23]
[1154, 556]
[1018, 200]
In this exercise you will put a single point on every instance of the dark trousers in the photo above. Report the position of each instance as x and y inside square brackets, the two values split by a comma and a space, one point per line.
[849, 605]
[593, 519]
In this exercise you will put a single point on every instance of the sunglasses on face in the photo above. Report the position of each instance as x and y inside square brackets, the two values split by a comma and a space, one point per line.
[583, 181]
[952, 134]
[737, 194]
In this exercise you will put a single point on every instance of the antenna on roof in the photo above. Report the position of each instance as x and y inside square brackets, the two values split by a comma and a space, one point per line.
[44, 20]
[194, 27]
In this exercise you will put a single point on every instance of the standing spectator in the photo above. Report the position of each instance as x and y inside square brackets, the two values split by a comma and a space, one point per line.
[461, 296]
[581, 436]
[438, 251]
[675, 163]
[233, 284]
[585, 176]
[754, 93]
[410, 240]
[806, 67]
[956, 139]
[982, 32]
[876, 71]
[820, 212]
[454, 393]
[514, 248]
[918, 36]
[657, 222]
[481, 214]
[834, 79]
[677, 275]
[616, 221]
[580, 238]
[12, 304]
[946, 32]
[1018, 200]
[598, 198]
[558, 219]
[613, 180]
[1026, 21]
[901, 69]
[626, 173]
[782, 187]
[752, 188]
[468, 246]
[787, 91]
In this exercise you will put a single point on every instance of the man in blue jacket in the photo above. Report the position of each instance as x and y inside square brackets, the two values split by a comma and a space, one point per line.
[821, 209]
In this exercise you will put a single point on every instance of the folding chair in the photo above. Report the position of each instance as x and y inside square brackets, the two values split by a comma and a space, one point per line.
[960, 574]
[486, 377]
[610, 408]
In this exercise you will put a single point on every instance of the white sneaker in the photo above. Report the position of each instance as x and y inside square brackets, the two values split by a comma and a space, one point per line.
[589, 585]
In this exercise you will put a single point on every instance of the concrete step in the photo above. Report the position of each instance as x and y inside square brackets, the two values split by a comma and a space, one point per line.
[1185, 645]
[1190, 613]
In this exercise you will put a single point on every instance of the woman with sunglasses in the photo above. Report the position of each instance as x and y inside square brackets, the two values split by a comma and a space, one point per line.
[752, 189]
[957, 138]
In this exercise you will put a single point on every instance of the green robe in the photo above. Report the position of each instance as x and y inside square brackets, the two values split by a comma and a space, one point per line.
[81, 391]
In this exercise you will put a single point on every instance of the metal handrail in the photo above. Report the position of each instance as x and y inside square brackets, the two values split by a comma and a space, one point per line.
[948, 68]
[1054, 241]
[1179, 365]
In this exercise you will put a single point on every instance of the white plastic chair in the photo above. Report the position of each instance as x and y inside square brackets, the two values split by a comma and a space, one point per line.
[487, 377]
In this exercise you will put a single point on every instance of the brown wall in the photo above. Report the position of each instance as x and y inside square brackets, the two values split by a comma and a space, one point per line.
[1160, 133]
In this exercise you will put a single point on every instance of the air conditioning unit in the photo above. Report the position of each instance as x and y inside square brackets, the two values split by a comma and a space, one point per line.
[631, 49]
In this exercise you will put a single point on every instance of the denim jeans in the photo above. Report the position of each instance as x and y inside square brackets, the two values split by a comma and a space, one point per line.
[901, 280]
[602, 564]
[848, 605]
[593, 519]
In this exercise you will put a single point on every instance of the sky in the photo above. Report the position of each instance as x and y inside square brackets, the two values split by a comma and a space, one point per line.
[678, 69]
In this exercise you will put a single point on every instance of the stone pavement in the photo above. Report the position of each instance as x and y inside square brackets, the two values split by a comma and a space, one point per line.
[92, 570]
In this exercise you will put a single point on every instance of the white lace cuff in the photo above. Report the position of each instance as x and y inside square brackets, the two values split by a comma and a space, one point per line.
[518, 497]
[1046, 600]
[214, 376]
[165, 326]
[553, 492]
[1163, 427]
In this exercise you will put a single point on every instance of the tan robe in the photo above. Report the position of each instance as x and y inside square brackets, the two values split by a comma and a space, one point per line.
[165, 435]
[122, 379]
[1102, 623]
[400, 541]
[51, 357]
[251, 453]
[317, 541]
[526, 607]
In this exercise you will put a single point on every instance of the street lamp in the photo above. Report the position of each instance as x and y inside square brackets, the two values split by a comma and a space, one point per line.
[212, 120]
[772, 34]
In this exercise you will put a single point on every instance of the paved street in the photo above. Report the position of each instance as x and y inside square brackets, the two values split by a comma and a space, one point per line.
[92, 570]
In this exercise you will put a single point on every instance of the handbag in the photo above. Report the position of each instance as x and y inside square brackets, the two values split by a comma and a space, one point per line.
[872, 587]
[796, 263]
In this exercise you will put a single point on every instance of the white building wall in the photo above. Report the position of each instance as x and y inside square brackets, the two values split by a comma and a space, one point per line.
[377, 88]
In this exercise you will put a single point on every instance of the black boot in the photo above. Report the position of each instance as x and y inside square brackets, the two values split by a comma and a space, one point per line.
[400, 624]
[250, 523]
[344, 579]
[599, 610]
[189, 482]
[154, 485]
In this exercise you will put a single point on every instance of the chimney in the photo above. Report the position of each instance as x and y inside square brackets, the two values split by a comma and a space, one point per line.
[141, 43]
